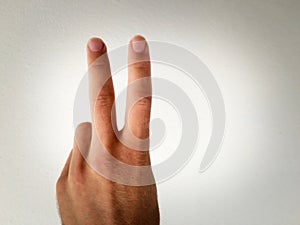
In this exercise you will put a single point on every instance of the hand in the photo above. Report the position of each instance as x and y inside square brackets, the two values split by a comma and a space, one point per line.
[85, 195]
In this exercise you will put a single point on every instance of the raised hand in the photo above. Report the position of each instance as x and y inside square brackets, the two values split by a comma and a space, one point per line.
[107, 179]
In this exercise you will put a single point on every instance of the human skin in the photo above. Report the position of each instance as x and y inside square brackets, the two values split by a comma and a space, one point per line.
[84, 196]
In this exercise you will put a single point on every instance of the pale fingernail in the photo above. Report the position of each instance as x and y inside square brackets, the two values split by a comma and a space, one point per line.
[95, 45]
[138, 46]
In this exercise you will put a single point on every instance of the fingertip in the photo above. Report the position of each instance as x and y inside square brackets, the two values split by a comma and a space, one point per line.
[95, 45]
[138, 43]
[95, 48]
[138, 37]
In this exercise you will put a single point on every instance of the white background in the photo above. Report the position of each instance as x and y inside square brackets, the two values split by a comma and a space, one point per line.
[253, 50]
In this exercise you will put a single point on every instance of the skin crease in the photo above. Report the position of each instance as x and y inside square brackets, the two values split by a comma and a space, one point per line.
[85, 197]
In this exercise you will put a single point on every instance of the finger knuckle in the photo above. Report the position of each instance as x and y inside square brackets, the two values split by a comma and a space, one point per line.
[104, 100]
[144, 102]
[60, 185]
[142, 66]
[76, 180]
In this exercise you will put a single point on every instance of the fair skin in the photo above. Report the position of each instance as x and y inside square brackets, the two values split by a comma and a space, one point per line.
[87, 198]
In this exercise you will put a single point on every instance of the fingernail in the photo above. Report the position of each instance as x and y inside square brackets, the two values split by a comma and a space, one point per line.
[95, 45]
[138, 46]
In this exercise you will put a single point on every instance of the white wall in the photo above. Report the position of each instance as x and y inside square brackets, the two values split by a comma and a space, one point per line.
[253, 49]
